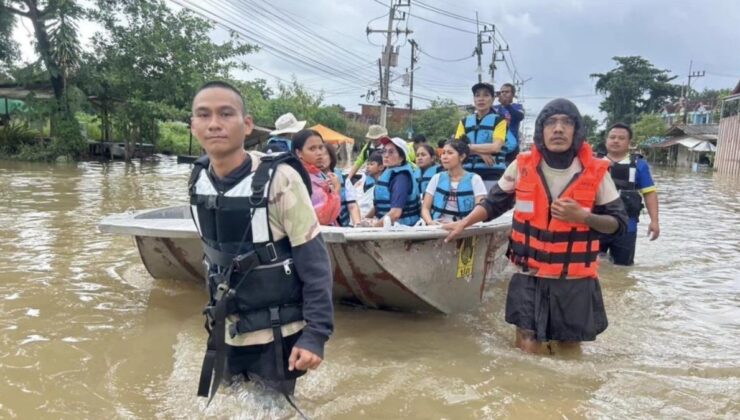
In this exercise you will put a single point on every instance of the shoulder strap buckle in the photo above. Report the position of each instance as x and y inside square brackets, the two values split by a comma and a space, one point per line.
[271, 251]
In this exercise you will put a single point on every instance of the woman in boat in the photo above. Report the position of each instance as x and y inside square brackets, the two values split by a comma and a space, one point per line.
[426, 166]
[350, 211]
[309, 147]
[452, 194]
[396, 197]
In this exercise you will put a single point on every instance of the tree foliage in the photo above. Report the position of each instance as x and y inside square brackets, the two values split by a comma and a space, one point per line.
[649, 125]
[148, 63]
[439, 121]
[592, 126]
[633, 88]
[8, 47]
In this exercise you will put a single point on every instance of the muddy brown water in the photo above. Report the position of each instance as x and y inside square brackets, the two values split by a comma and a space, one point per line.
[86, 333]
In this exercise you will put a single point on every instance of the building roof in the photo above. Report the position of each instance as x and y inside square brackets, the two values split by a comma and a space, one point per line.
[678, 130]
[696, 143]
[737, 89]
[16, 91]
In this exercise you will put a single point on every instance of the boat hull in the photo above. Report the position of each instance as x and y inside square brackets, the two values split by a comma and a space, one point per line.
[399, 269]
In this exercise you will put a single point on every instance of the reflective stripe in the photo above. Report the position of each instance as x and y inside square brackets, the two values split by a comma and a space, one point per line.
[524, 206]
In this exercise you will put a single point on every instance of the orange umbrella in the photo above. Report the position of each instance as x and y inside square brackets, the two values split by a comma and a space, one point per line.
[331, 136]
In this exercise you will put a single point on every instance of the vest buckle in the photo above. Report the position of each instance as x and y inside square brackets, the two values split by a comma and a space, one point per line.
[272, 253]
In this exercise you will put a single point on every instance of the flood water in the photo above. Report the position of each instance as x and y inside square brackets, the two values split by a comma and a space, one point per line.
[86, 333]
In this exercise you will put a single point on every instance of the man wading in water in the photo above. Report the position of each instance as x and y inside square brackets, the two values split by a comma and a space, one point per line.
[563, 199]
[254, 215]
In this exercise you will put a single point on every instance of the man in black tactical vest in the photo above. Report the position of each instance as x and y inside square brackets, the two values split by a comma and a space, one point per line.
[632, 177]
[254, 215]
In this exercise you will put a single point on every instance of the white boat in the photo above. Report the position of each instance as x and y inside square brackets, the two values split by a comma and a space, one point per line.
[399, 268]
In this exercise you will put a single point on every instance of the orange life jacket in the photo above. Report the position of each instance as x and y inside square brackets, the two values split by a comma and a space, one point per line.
[553, 247]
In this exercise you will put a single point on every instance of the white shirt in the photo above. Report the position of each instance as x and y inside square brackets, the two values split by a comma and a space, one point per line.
[479, 190]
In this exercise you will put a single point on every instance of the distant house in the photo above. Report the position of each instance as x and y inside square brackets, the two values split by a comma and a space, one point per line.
[727, 160]
[685, 145]
[700, 113]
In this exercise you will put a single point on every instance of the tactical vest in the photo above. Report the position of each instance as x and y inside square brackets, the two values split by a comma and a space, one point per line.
[623, 175]
[464, 196]
[249, 274]
[553, 247]
[382, 196]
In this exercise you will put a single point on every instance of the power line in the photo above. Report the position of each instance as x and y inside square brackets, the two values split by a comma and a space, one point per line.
[279, 51]
[446, 60]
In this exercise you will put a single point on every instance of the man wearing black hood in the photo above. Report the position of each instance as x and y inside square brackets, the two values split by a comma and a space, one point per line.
[563, 199]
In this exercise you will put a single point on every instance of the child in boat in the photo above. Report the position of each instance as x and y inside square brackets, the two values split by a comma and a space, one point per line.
[452, 194]
[309, 147]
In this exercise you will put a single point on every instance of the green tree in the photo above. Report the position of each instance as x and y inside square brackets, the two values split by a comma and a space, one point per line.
[592, 125]
[439, 121]
[633, 88]
[8, 48]
[55, 30]
[148, 63]
[649, 125]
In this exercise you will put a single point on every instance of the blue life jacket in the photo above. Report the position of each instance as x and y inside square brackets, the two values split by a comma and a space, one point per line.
[343, 218]
[423, 178]
[382, 196]
[369, 182]
[464, 195]
[482, 133]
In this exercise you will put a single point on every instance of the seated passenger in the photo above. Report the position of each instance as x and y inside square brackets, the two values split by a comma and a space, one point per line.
[396, 194]
[452, 194]
[365, 187]
[373, 170]
[308, 146]
[350, 211]
[426, 166]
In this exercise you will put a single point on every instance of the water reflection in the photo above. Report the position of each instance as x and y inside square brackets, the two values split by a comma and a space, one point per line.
[87, 333]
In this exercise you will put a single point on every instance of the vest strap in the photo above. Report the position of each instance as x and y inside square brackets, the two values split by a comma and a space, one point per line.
[552, 257]
[269, 253]
[548, 236]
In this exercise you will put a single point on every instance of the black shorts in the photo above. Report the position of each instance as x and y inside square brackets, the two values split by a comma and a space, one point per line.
[261, 360]
[554, 309]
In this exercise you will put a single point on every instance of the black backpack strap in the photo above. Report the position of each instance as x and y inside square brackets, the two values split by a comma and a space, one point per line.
[263, 179]
[274, 159]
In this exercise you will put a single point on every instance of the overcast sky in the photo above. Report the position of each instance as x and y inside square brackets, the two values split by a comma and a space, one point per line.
[553, 45]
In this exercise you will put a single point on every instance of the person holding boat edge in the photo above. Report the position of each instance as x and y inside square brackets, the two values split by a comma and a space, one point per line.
[632, 176]
[254, 215]
[563, 199]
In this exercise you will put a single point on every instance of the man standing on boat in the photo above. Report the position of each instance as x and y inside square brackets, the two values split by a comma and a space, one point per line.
[563, 199]
[269, 275]
[632, 176]
[285, 126]
[513, 113]
[486, 132]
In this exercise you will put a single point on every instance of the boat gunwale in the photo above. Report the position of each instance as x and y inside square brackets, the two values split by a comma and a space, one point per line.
[131, 223]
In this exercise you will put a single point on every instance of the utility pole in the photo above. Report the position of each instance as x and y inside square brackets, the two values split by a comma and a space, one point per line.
[497, 56]
[414, 47]
[692, 75]
[479, 46]
[388, 54]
